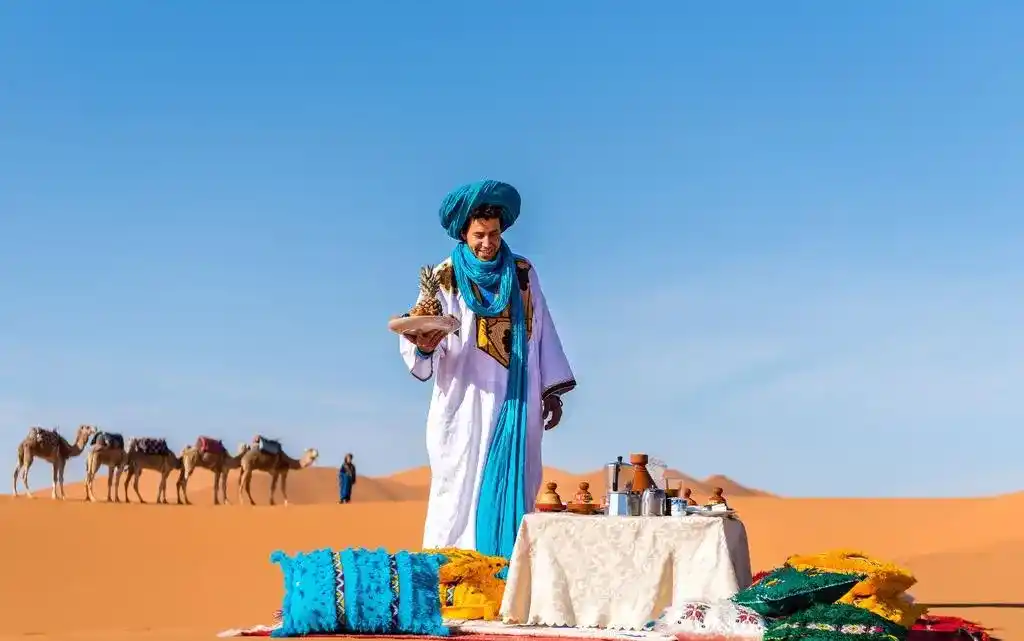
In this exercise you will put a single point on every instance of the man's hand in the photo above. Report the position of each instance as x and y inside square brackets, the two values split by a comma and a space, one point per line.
[552, 412]
[427, 342]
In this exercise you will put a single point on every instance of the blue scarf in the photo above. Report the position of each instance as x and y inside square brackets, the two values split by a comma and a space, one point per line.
[502, 500]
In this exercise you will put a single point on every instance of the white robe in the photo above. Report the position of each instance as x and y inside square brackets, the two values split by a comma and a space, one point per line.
[469, 388]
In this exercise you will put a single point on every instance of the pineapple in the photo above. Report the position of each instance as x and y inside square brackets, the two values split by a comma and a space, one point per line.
[429, 304]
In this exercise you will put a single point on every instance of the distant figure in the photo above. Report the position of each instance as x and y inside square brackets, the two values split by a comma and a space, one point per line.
[346, 479]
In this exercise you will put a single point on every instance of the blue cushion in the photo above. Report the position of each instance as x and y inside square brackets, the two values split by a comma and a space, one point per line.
[419, 605]
[357, 591]
[309, 605]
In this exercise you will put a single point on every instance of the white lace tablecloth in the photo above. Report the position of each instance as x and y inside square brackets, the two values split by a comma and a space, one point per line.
[620, 572]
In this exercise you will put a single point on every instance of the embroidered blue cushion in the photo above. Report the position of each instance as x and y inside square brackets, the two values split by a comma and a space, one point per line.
[309, 605]
[357, 591]
[419, 605]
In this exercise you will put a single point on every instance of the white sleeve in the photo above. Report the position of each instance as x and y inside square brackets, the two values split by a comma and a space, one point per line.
[556, 374]
[420, 365]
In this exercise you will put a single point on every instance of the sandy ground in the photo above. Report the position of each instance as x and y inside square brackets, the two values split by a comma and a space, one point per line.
[77, 571]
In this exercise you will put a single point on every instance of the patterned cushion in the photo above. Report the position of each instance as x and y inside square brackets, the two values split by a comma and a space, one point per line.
[787, 590]
[357, 591]
[835, 622]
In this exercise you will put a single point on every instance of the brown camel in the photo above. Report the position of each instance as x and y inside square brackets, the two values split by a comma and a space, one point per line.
[107, 449]
[50, 446]
[273, 461]
[149, 454]
[209, 454]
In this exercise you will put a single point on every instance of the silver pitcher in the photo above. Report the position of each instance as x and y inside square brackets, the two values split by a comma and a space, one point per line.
[652, 502]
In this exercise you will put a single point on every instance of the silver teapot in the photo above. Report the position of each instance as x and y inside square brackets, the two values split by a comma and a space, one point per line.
[652, 502]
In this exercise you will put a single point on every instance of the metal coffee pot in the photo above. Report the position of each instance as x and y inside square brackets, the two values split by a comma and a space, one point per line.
[652, 502]
[613, 477]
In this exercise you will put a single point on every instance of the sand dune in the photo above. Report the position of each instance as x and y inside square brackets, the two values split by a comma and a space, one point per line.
[163, 573]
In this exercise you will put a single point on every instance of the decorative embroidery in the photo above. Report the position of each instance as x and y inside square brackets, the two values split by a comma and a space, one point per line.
[696, 612]
[339, 589]
[747, 616]
[559, 388]
[395, 589]
[446, 277]
[449, 596]
[494, 335]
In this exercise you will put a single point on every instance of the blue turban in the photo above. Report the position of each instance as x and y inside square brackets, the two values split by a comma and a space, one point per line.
[457, 205]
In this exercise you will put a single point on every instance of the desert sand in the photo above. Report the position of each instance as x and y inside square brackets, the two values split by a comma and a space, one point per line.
[113, 572]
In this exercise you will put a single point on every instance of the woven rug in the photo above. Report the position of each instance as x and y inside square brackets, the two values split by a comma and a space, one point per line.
[486, 631]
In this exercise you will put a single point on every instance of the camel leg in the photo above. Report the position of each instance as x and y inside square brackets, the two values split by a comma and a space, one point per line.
[136, 474]
[60, 477]
[17, 470]
[111, 482]
[284, 487]
[224, 487]
[217, 473]
[90, 474]
[53, 492]
[161, 492]
[127, 471]
[24, 474]
[245, 480]
[273, 487]
[182, 488]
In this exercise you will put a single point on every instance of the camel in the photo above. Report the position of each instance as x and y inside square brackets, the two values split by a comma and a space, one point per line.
[272, 460]
[50, 446]
[209, 454]
[149, 454]
[107, 449]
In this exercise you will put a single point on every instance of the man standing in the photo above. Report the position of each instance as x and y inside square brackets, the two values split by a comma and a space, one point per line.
[498, 380]
[346, 479]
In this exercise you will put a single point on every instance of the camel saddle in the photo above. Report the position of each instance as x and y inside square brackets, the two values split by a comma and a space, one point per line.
[151, 446]
[268, 446]
[210, 445]
[45, 437]
[108, 440]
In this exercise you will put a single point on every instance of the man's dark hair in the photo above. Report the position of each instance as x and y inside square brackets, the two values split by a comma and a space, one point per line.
[482, 212]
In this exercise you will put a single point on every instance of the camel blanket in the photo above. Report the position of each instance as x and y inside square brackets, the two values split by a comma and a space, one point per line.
[149, 446]
[210, 445]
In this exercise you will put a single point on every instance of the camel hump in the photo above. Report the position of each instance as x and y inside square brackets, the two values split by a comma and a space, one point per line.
[150, 446]
[210, 445]
[268, 446]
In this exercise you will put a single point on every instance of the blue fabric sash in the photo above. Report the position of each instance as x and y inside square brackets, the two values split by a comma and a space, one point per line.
[502, 501]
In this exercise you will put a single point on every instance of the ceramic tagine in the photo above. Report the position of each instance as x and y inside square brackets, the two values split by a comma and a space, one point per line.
[716, 502]
[549, 501]
[583, 501]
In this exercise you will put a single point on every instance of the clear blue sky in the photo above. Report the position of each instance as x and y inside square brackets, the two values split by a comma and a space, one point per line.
[782, 241]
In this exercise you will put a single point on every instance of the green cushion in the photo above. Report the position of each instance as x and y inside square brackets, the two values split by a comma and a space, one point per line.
[787, 590]
[835, 622]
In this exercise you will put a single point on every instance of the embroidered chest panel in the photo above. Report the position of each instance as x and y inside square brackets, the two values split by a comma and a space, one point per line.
[494, 335]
